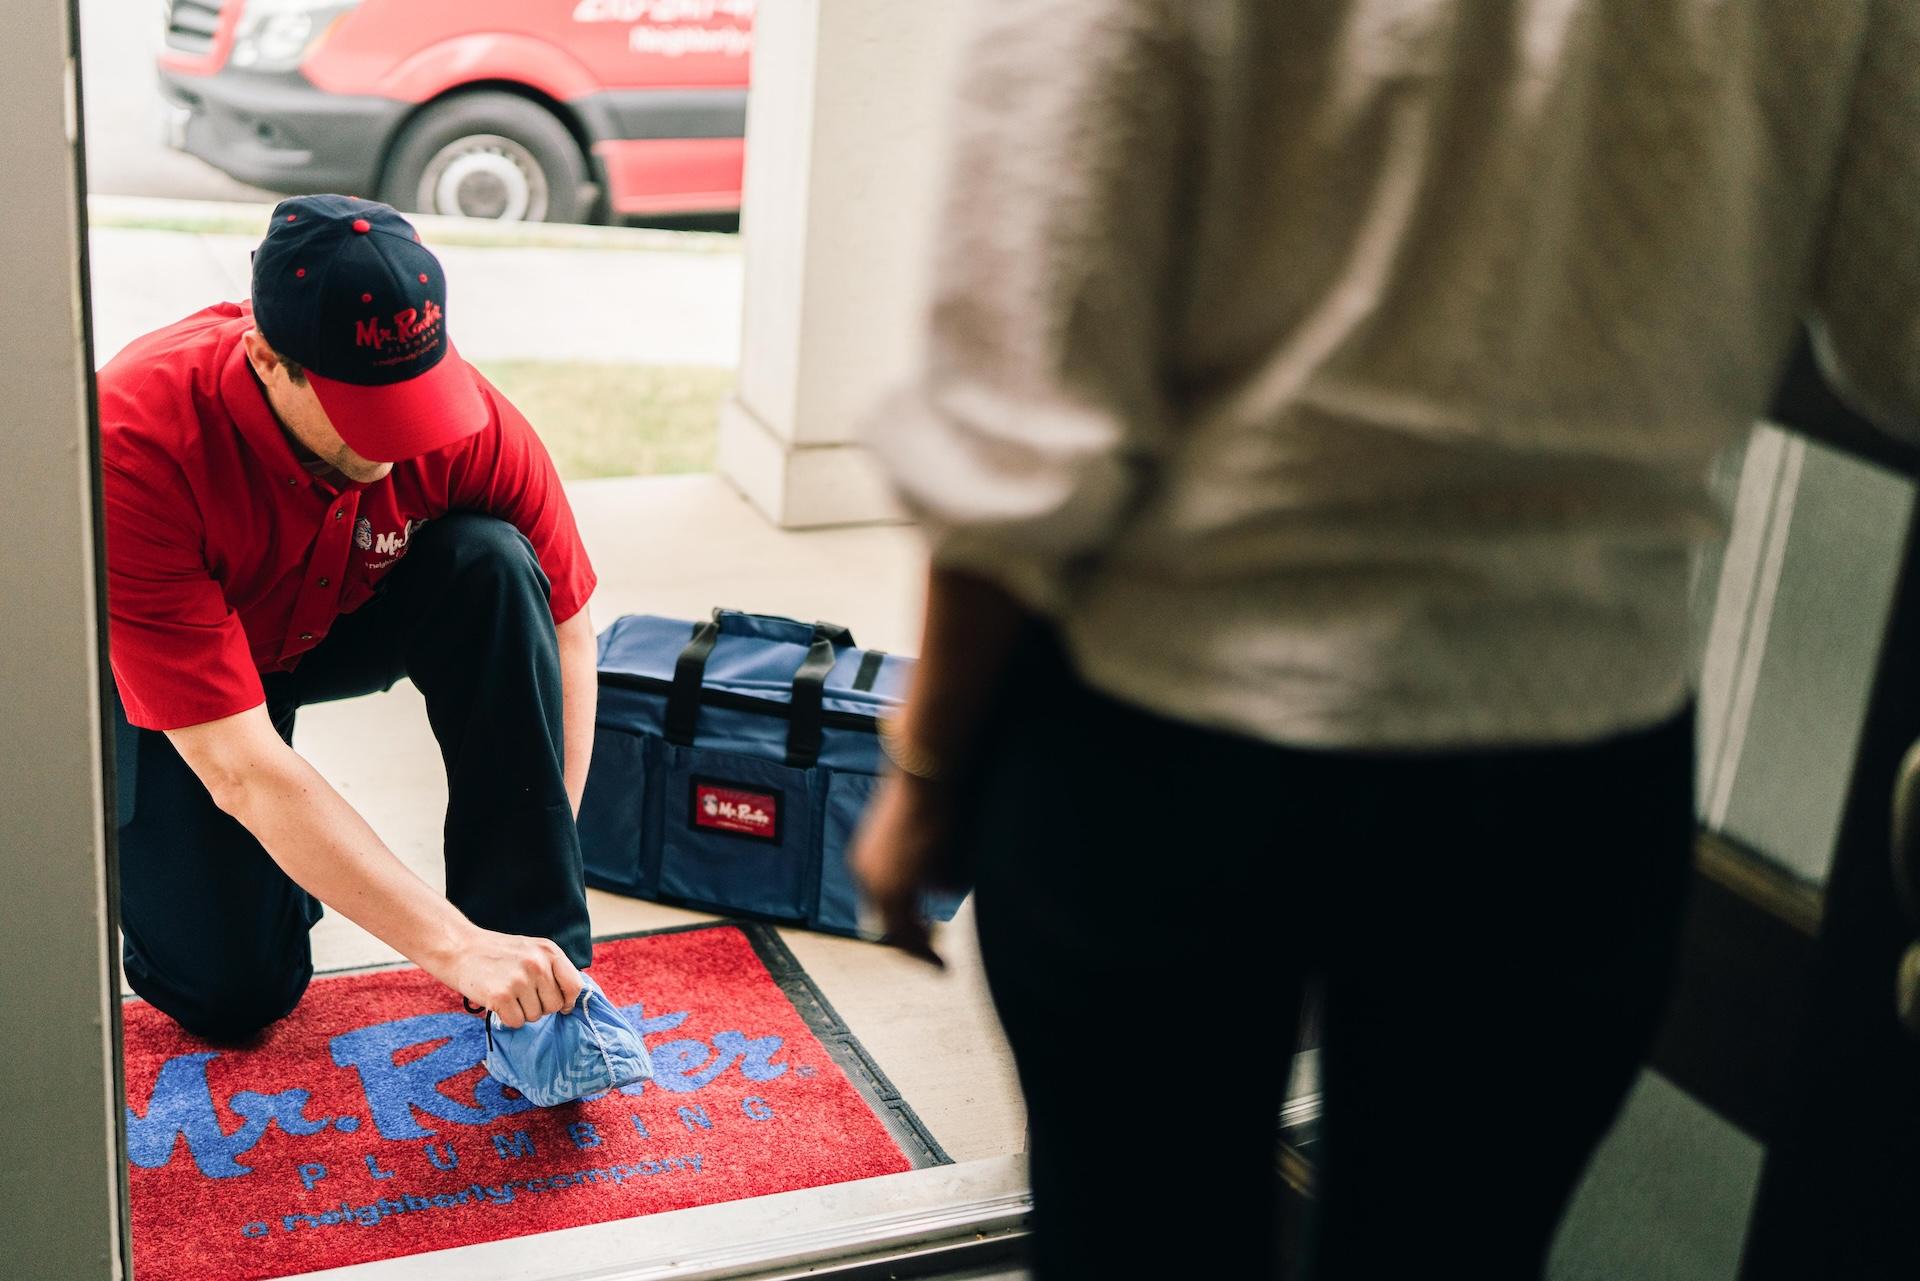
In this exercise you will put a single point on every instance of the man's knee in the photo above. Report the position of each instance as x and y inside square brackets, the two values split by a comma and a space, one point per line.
[230, 1005]
[476, 550]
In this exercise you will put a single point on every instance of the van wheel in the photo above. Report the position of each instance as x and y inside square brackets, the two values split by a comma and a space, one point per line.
[487, 155]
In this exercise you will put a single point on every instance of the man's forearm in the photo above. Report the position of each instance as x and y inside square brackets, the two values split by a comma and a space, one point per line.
[319, 841]
[323, 844]
[579, 695]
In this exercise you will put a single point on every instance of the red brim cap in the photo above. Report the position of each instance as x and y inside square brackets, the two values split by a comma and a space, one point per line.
[403, 420]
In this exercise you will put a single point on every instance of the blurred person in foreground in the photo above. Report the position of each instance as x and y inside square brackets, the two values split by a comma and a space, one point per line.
[1312, 437]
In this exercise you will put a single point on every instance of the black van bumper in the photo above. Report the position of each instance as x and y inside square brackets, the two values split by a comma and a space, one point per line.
[280, 132]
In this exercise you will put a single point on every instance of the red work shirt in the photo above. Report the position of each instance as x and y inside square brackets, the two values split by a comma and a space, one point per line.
[227, 558]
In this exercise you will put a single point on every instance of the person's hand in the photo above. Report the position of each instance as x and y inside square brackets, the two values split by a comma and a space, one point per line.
[898, 853]
[519, 979]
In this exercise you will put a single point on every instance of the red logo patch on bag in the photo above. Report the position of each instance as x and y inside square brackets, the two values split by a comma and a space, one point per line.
[739, 811]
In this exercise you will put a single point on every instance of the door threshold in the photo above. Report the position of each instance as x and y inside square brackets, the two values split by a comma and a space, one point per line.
[942, 1217]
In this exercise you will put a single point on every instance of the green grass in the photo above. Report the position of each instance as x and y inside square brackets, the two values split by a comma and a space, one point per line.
[250, 221]
[617, 420]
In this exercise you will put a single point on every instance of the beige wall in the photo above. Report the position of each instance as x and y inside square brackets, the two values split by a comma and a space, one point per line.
[843, 162]
[59, 1203]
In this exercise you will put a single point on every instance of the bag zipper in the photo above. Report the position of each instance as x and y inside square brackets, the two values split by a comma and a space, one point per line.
[739, 702]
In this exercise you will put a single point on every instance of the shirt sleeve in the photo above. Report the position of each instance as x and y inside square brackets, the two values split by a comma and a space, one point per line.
[1041, 400]
[178, 651]
[507, 472]
[1866, 314]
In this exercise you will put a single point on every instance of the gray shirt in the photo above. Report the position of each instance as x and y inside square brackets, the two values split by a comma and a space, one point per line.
[1348, 373]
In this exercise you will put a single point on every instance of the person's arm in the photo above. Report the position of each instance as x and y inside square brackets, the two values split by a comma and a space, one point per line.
[328, 849]
[971, 624]
[901, 848]
[579, 694]
[1043, 403]
[1865, 311]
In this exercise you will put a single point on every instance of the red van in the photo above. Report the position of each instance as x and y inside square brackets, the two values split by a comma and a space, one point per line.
[554, 110]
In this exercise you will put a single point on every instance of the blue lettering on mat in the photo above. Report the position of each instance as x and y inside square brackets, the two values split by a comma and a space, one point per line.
[492, 1098]
[288, 1107]
[686, 1066]
[694, 1114]
[311, 1173]
[395, 1090]
[756, 1054]
[401, 1097]
[514, 1147]
[182, 1106]
[474, 1194]
[373, 1168]
[636, 1014]
[583, 1135]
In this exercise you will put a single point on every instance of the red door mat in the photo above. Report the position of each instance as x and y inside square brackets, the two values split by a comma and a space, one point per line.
[362, 1126]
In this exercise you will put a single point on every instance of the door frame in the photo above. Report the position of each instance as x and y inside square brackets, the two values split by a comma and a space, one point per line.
[64, 1185]
[1842, 1172]
[1783, 1019]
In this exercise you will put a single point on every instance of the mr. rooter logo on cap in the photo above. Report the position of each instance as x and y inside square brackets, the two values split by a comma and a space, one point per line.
[345, 287]
[414, 333]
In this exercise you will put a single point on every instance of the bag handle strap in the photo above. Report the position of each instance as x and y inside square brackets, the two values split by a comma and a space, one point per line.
[804, 731]
[807, 698]
[689, 670]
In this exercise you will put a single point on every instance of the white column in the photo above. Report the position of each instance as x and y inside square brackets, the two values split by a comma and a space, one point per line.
[844, 132]
[59, 1090]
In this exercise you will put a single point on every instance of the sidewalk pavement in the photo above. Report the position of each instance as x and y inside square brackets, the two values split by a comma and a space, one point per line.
[597, 295]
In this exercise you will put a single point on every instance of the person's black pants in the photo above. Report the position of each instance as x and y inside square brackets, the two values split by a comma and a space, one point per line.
[1494, 932]
[215, 934]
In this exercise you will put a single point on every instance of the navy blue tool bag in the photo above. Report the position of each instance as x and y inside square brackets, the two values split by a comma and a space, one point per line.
[732, 761]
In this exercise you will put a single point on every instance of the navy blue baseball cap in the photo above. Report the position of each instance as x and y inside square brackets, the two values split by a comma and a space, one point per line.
[344, 287]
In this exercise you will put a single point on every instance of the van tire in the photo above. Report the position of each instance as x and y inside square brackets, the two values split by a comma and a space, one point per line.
[513, 154]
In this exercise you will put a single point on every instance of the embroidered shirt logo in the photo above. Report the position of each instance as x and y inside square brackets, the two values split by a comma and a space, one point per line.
[741, 811]
[390, 545]
[363, 533]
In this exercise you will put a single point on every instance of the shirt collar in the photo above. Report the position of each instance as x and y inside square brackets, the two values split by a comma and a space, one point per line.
[246, 404]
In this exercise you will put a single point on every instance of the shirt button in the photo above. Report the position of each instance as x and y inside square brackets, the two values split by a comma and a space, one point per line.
[341, 514]
[306, 636]
[293, 480]
[326, 582]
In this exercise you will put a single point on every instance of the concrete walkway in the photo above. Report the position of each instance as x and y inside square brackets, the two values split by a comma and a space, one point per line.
[644, 305]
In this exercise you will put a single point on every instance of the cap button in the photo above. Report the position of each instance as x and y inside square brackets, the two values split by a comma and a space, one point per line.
[362, 226]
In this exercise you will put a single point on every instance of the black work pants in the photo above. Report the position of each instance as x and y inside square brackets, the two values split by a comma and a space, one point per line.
[1494, 931]
[215, 934]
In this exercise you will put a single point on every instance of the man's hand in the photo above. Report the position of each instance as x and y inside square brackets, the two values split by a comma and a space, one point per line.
[899, 853]
[519, 979]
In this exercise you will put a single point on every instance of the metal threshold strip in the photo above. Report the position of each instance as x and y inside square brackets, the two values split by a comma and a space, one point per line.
[949, 1235]
[904, 1225]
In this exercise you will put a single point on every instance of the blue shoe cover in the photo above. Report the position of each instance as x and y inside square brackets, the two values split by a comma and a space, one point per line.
[558, 1058]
